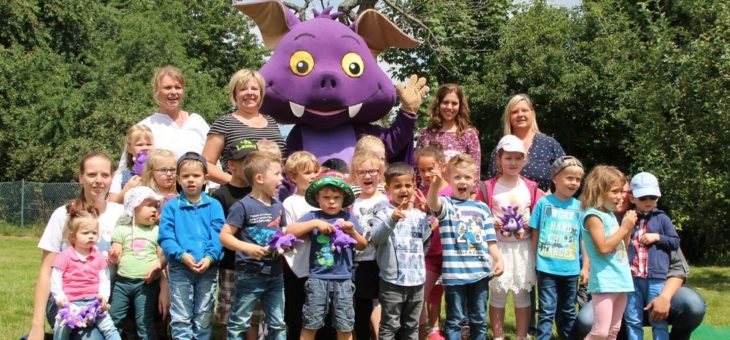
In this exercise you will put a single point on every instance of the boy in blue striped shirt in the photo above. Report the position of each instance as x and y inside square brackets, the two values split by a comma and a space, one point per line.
[467, 235]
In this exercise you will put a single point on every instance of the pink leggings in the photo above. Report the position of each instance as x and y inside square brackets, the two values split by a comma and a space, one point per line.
[608, 310]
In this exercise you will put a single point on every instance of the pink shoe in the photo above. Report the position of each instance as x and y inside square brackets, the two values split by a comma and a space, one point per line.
[435, 334]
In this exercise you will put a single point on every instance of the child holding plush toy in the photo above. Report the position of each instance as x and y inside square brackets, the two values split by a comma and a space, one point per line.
[80, 280]
[251, 225]
[511, 198]
[334, 233]
[139, 143]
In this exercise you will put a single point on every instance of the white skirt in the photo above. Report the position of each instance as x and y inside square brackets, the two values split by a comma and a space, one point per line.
[519, 267]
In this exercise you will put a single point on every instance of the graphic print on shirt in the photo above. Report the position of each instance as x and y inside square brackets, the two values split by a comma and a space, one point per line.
[324, 256]
[366, 218]
[559, 233]
[469, 236]
[408, 243]
[262, 236]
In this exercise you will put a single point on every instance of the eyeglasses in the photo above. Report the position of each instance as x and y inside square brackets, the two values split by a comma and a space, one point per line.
[371, 172]
[166, 171]
[651, 198]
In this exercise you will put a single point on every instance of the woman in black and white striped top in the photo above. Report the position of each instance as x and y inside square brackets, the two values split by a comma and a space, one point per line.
[246, 90]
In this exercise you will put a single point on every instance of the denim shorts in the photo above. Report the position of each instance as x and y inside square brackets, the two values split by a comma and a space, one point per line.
[320, 295]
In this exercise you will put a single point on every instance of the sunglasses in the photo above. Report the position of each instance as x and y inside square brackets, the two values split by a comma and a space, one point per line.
[651, 198]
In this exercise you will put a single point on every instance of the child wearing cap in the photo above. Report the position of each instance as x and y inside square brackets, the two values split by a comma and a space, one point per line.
[651, 241]
[330, 283]
[188, 236]
[250, 226]
[140, 273]
[511, 199]
[556, 239]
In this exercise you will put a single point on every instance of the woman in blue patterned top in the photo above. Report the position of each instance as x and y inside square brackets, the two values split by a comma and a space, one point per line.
[519, 120]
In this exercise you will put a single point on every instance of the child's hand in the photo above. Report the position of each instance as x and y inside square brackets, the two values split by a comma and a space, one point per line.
[256, 251]
[419, 201]
[436, 176]
[650, 238]
[400, 212]
[61, 303]
[102, 303]
[203, 265]
[629, 220]
[498, 224]
[498, 268]
[132, 182]
[324, 227]
[152, 271]
[584, 275]
[189, 261]
[115, 252]
[347, 227]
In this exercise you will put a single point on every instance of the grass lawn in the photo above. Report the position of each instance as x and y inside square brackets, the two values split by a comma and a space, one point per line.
[19, 260]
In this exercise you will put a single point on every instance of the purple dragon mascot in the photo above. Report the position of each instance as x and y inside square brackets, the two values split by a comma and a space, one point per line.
[323, 77]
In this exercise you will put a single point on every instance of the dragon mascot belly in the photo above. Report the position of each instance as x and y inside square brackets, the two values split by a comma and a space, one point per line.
[323, 77]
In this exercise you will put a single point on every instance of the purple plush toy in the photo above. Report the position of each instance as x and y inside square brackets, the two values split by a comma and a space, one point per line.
[323, 76]
[340, 240]
[73, 316]
[139, 161]
[512, 222]
[281, 243]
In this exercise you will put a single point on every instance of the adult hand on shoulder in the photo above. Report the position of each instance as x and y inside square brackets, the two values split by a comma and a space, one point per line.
[659, 308]
[411, 94]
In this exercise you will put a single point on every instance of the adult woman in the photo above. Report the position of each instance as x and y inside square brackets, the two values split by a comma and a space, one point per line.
[246, 92]
[172, 127]
[95, 173]
[449, 124]
[519, 120]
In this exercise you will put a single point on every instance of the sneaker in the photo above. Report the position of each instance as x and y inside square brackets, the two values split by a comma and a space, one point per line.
[435, 334]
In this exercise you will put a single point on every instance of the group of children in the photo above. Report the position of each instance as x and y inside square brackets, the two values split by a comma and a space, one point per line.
[375, 245]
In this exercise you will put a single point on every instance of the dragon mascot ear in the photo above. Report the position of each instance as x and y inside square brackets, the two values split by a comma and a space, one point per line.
[323, 76]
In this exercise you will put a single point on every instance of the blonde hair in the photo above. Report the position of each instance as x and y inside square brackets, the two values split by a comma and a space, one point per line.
[598, 182]
[299, 161]
[510, 105]
[368, 143]
[363, 156]
[269, 146]
[241, 77]
[256, 163]
[135, 133]
[462, 160]
[170, 71]
[156, 156]
[463, 120]
[75, 219]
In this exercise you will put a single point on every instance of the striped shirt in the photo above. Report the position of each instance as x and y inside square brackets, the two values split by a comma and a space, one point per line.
[234, 131]
[466, 229]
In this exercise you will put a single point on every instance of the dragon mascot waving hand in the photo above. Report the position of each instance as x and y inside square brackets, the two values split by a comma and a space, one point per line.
[323, 77]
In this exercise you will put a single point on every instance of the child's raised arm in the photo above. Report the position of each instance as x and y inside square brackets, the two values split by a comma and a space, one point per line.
[433, 191]
[604, 245]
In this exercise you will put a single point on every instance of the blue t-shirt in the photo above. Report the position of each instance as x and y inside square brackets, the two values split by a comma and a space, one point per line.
[324, 262]
[257, 223]
[466, 229]
[558, 244]
[609, 273]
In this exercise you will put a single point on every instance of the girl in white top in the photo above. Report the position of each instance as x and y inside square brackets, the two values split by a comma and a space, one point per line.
[367, 169]
[95, 173]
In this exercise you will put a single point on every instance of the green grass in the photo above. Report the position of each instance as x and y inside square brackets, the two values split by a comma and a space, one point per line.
[19, 260]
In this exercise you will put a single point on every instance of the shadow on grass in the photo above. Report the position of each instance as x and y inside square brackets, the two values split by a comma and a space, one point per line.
[710, 278]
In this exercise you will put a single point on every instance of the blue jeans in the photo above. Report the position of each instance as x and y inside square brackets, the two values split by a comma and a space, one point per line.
[192, 297]
[142, 297]
[685, 314]
[475, 296]
[251, 287]
[645, 290]
[557, 295]
[104, 325]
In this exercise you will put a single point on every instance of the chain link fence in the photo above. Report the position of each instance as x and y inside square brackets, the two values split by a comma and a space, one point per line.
[31, 203]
